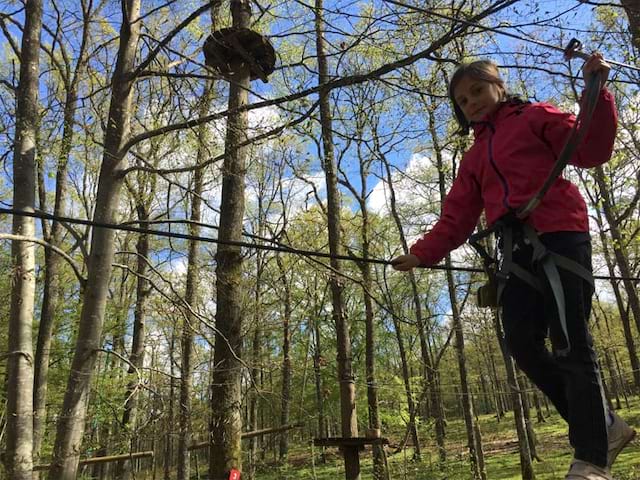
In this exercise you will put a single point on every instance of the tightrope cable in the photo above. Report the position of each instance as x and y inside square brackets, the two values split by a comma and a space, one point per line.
[241, 244]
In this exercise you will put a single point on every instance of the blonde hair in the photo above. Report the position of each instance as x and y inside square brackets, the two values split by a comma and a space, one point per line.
[484, 70]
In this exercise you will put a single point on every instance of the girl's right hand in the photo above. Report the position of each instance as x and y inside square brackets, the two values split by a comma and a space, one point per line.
[405, 262]
[596, 63]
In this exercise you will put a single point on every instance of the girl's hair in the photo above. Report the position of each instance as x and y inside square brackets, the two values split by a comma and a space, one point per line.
[484, 70]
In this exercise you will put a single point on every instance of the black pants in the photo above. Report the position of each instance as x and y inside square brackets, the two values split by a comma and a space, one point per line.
[573, 382]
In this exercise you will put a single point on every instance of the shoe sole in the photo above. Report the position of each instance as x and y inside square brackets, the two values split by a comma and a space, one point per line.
[615, 453]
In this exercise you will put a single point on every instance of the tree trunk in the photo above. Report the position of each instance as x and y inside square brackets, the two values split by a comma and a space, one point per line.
[285, 404]
[526, 465]
[622, 310]
[225, 452]
[256, 357]
[167, 461]
[349, 417]
[364, 162]
[317, 364]
[526, 414]
[618, 245]
[379, 463]
[136, 358]
[72, 419]
[536, 402]
[406, 377]
[431, 373]
[52, 291]
[19, 409]
[496, 387]
[633, 12]
[191, 298]
[467, 404]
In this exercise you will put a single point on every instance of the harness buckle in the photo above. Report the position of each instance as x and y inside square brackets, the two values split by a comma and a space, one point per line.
[502, 276]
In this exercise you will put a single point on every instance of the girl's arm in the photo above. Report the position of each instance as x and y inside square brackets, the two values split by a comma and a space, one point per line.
[460, 212]
[596, 147]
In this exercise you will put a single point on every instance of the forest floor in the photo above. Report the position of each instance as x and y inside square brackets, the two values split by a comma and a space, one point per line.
[500, 448]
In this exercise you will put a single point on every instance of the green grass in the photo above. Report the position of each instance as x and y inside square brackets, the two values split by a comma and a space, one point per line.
[500, 447]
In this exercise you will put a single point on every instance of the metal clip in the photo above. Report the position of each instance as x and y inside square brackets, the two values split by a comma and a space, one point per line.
[574, 49]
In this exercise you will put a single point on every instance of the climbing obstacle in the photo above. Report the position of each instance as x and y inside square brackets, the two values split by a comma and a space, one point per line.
[226, 48]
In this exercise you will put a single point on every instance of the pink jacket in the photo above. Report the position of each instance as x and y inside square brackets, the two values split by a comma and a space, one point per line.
[513, 152]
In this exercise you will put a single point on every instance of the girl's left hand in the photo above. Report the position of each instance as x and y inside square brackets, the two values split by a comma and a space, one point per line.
[596, 63]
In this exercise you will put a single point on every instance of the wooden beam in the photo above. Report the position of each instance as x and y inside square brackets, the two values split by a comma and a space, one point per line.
[255, 433]
[195, 446]
[349, 441]
[106, 459]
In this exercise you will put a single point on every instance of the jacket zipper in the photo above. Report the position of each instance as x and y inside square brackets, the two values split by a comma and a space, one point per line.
[505, 185]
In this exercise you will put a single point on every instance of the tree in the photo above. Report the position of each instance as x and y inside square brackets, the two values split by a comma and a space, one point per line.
[225, 451]
[349, 425]
[191, 298]
[72, 420]
[52, 297]
[633, 13]
[19, 456]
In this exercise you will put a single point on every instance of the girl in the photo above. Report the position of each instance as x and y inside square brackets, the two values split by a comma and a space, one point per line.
[515, 146]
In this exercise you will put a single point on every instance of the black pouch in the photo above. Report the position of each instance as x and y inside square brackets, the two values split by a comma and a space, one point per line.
[488, 295]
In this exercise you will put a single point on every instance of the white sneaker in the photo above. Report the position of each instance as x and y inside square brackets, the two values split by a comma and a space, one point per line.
[620, 434]
[581, 470]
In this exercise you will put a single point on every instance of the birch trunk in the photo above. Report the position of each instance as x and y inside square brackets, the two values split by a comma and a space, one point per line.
[19, 442]
[52, 292]
[72, 419]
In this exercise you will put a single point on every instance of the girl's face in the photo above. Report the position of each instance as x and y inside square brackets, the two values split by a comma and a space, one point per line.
[477, 98]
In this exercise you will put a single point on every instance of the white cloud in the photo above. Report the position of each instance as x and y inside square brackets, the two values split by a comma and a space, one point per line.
[406, 189]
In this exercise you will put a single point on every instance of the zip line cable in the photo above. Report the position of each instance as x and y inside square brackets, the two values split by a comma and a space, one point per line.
[250, 245]
[582, 55]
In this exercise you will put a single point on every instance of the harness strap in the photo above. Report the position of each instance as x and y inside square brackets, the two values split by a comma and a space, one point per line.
[548, 261]
[508, 266]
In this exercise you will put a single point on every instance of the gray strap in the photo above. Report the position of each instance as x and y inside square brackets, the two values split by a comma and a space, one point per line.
[549, 263]
[509, 266]
[551, 271]
[525, 276]
[507, 251]
[573, 267]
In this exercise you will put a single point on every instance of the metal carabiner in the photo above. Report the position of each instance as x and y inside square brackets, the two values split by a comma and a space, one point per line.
[574, 49]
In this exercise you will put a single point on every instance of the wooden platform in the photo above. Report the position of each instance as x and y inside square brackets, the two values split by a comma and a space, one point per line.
[357, 442]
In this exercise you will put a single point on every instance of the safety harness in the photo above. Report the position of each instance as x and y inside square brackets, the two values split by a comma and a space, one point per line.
[513, 225]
